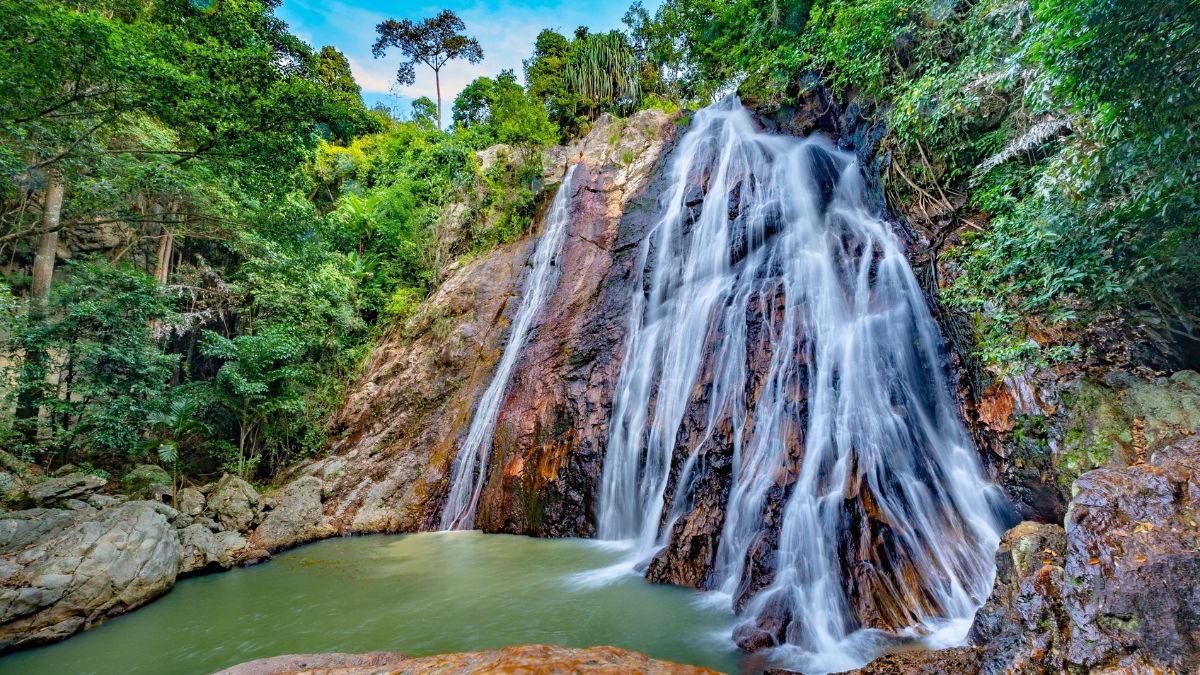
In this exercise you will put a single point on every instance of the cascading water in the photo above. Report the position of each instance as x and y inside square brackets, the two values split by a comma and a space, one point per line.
[470, 466]
[848, 403]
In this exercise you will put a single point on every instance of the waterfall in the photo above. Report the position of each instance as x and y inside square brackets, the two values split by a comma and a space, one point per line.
[470, 466]
[766, 252]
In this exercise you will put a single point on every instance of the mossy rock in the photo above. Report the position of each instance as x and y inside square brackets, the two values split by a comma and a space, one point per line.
[139, 480]
[1108, 425]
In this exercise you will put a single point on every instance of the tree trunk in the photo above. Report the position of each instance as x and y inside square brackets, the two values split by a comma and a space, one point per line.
[437, 83]
[47, 248]
[166, 246]
[32, 387]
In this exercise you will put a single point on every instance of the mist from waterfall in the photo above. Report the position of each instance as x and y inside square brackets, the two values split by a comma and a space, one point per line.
[774, 231]
[470, 465]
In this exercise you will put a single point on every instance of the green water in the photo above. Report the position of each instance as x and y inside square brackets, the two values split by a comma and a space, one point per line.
[418, 594]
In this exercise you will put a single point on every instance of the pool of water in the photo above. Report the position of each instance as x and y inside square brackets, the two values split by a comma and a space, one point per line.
[417, 594]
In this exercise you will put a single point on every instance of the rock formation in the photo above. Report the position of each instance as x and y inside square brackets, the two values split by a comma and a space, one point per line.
[68, 568]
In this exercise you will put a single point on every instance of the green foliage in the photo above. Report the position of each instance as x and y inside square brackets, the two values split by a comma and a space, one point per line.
[499, 111]
[603, 71]
[108, 371]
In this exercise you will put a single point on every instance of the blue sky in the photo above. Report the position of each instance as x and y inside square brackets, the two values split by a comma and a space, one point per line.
[506, 31]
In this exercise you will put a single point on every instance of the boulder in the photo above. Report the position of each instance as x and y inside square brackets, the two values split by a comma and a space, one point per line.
[71, 486]
[296, 517]
[203, 551]
[147, 480]
[520, 659]
[234, 503]
[190, 502]
[73, 577]
[10, 482]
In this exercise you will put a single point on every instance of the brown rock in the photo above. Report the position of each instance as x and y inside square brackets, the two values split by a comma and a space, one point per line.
[525, 659]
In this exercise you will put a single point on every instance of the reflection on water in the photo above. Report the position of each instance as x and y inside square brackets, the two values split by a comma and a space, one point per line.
[416, 594]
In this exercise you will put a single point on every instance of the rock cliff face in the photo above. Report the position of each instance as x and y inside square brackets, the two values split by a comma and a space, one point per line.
[399, 430]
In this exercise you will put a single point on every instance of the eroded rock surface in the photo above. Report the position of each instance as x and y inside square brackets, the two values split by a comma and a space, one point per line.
[71, 486]
[531, 659]
[72, 577]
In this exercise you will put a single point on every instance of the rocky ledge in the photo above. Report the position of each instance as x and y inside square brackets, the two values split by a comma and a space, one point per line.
[78, 557]
[529, 659]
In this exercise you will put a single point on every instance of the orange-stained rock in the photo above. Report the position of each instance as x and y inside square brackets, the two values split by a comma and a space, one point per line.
[522, 660]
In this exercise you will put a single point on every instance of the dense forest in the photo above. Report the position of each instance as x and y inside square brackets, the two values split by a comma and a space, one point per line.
[203, 229]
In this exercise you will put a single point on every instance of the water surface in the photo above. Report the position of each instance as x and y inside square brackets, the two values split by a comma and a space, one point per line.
[417, 594]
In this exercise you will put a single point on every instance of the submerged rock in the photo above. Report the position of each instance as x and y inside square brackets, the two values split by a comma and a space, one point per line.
[521, 659]
[74, 576]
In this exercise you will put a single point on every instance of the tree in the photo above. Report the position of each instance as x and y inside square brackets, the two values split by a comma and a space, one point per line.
[603, 70]
[424, 112]
[433, 42]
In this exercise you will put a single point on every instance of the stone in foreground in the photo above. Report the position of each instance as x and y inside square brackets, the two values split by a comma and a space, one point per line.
[528, 659]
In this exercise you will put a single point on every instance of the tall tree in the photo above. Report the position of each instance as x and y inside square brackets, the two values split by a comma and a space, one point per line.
[433, 41]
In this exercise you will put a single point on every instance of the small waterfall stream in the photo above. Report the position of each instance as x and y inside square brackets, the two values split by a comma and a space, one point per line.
[844, 430]
[470, 466]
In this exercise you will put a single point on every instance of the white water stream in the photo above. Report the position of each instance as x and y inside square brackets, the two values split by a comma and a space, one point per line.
[781, 232]
[470, 466]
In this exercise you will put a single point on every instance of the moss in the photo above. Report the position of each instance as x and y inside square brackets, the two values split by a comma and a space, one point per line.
[1124, 624]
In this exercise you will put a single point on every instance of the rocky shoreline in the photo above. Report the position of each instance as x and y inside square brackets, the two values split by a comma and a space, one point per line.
[78, 556]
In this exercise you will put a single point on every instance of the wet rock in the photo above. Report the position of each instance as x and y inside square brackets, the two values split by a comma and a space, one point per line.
[396, 436]
[956, 660]
[234, 503]
[202, 551]
[1133, 557]
[295, 518]
[76, 576]
[71, 486]
[520, 659]
[1115, 591]
[1024, 551]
